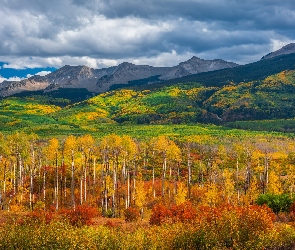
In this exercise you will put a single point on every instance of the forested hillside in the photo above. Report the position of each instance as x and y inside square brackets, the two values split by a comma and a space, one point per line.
[183, 103]
[270, 98]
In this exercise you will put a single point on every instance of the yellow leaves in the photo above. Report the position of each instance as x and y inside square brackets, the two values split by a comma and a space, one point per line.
[85, 117]
[112, 141]
[53, 145]
[52, 149]
[140, 194]
[165, 146]
[253, 191]
[275, 79]
[228, 184]
[174, 92]
[129, 147]
[212, 194]
[279, 155]
[274, 183]
[109, 184]
[20, 106]
[86, 142]
[70, 144]
[33, 108]
[181, 194]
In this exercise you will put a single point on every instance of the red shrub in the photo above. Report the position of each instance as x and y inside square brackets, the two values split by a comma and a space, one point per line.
[160, 214]
[183, 212]
[40, 216]
[81, 215]
[177, 213]
[131, 214]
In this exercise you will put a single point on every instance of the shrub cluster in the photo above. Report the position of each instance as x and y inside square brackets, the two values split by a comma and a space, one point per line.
[80, 216]
[177, 213]
[131, 214]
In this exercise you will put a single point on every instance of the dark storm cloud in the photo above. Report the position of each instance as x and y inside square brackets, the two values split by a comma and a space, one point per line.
[106, 32]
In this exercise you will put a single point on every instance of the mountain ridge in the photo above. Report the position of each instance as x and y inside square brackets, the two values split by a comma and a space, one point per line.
[101, 80]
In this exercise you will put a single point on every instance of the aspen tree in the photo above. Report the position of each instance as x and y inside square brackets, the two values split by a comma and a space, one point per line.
[140, 195]
[53, 151]
[111, 146]
[86, 144]
[70, 148]
[274, 184]
[129, 152]
[19, 148]
[253, 191]
[4, 162]
[228, 185]
[168, 150]
[32, 140]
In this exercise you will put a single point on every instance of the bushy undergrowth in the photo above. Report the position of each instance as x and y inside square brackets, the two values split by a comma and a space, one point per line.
[131, 214]
[80, 216]
[223, 227]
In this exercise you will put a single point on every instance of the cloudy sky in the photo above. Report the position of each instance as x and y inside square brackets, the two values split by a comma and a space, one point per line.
[37, 36]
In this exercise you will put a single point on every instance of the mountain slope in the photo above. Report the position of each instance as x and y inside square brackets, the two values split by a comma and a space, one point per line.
[270, 98]
[287, 49]
[243, 73]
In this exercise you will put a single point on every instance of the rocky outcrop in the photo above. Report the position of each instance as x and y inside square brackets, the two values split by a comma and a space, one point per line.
[196, 65]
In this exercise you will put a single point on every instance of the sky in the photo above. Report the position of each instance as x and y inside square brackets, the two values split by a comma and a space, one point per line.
[38, 36]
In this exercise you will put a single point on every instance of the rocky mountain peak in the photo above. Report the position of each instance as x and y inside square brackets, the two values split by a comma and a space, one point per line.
[196, 65]
[126, 65]
[287, 49]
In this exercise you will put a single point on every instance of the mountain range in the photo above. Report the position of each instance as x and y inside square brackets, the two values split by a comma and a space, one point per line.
[127, 74]
[100, 80]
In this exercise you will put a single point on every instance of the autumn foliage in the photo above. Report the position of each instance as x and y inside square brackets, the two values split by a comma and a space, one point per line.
[131, 214]
[81, 215]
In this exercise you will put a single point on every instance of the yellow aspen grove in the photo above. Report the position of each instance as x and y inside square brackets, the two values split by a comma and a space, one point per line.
[111, 147]
[168, 151]
[5, 172]
[32, 166]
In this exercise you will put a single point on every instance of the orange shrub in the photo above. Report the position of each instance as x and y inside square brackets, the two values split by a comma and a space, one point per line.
[40, 216]
[131, 214]
[177, 213]
[183, 212]
[81, 215]
[160, 214]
